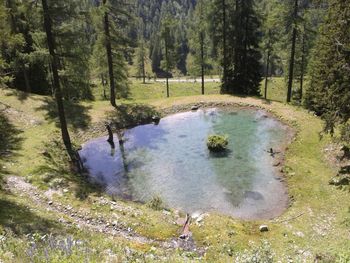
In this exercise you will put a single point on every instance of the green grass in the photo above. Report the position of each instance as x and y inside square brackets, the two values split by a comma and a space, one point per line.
[316, 223]
[157, 90]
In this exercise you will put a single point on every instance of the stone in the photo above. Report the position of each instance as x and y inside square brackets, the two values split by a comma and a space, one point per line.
[340, 180]
[264, 228]
[155, 119]
[50, 203]
[194, 107]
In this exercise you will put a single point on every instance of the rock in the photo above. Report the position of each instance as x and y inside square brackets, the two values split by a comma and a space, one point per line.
[50, 203]
[340, 180]
[253, 195]
[277, 164]
[156, 119]
[264, 228]
[194, 107]
[165, 212]
[299, 234]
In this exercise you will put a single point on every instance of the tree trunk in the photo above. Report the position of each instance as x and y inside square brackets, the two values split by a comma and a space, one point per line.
[292, 53]
[224, 75]
[56, 83]
[167, 68]
[109, 57]
[267, 71]
[245, 53]
[143, 65]
[202, 60]
[302, 73]
[26, 80]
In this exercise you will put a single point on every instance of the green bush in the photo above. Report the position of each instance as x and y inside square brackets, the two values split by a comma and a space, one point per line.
[155, 203]
[217, 143]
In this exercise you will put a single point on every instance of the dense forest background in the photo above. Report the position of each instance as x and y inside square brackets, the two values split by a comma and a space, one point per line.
[107, 42]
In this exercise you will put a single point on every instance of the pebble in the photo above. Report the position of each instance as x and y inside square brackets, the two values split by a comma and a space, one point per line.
[50, 203]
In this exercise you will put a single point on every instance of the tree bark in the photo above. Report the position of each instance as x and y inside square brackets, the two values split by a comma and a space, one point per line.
[108, 46]
[267, 72]
[56, 82]
[302, 73]
[143, 65]
[167, 68]
[224, 75]
[292, 53]
[202, 60]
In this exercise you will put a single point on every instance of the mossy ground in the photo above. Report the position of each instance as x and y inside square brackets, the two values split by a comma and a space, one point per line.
[317, 222]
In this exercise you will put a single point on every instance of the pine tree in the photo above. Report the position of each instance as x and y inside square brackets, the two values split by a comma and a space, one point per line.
[199, 41]
[243, 54]
[141, 60]
[169, 61]
[56, 81]
[112, 46]
[329, 91]
[108, 46]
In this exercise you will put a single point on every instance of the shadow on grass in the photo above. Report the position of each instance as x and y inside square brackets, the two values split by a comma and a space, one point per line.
[76, 114]
[21, 95]
[57, 172]
[21, 221]
[131, 115]
[10, 142]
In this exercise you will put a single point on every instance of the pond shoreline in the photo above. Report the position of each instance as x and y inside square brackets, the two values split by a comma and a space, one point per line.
[278, 159]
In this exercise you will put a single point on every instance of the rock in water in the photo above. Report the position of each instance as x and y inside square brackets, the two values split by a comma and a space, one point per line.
[194, 107]
[156, 119]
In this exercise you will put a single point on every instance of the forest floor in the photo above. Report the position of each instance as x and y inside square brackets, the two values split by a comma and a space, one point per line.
[53, 215]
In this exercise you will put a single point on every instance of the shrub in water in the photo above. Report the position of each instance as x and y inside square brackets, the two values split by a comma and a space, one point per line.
[217, 143]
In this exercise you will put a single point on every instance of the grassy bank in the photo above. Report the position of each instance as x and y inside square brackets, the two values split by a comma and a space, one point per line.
[316, 225]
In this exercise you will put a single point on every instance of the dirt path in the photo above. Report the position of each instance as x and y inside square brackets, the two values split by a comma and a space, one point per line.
[82, 219]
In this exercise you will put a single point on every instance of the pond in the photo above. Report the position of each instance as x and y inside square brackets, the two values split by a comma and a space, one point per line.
[171, 161]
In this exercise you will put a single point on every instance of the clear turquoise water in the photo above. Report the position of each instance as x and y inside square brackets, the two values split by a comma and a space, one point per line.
[171, 160]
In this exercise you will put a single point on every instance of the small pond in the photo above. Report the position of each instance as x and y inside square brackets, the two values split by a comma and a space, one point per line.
[171, 160]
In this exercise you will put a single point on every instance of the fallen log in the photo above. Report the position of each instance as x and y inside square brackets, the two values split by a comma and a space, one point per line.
[186, 228]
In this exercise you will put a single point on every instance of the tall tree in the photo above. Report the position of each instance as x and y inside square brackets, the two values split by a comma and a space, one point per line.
[245, 69]
[56, 81]
[169, 61]
[292, 52]
[108, 46]
[199, 41]
[141, 60]
[328, 93]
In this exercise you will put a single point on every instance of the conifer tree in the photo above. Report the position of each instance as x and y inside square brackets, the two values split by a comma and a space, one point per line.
[199, 40]
[329, 91]
[56, 81]
[169, 61]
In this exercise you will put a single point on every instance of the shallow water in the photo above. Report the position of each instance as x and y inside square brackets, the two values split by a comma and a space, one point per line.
[171, 160]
